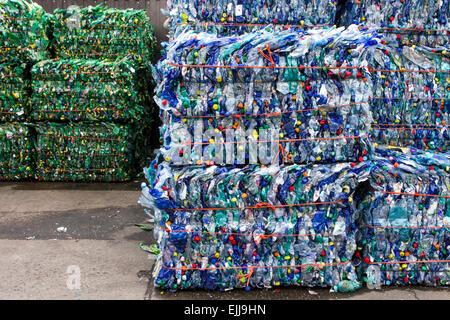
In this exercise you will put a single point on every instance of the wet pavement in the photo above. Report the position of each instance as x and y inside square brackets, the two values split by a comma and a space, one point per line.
[47, 228]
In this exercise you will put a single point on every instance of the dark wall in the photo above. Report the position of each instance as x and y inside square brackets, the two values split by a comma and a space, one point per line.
[153, 8]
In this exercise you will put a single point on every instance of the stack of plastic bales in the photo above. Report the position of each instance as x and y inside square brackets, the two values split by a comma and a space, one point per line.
[224, 227]
[265, 141]
[23, 41]
[238, 98]
[24, 33]
[91, 100]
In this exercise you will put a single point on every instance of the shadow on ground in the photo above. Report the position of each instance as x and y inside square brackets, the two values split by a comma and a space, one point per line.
[33, 185]
[301, 293]
[97, 224]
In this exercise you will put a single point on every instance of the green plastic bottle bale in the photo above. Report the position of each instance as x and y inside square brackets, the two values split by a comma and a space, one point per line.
[16, 152]
[23, 32]
[14, 95]
[86, 90]
[84, 152]
[102, 33]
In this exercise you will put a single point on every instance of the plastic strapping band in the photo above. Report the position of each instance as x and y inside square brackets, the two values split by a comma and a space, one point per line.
[305, 67]
[258, 206]
[269, 141]
[412, 194]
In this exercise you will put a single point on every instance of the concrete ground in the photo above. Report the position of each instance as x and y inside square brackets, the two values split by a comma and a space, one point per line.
[100, 250]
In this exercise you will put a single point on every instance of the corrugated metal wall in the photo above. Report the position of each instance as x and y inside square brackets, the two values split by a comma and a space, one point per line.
[153, 8]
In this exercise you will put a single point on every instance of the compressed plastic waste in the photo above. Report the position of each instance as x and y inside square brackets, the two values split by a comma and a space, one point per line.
[224, 227]
[101, 32]
[308, 91]
[420, 22]
[243, 14]
[411, 106]
[405, 222]
[23, 32]
[86, 90]
[424, 158]
[23, 41]
[84, 152]
[14, 94]
[16, 152]
[264, 141]
[103, 72]
[231, 79]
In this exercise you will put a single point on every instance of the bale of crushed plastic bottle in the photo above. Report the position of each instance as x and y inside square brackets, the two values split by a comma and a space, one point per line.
[220, 228]
[404, 221]
[237, 16]
[84, 152]
[411, 98]
[405, 21]
[101, 32]
[23, 32]
[16, 152]
[23, 41]
[14, 93]
[272, 140]
[86, 90]
[309, 91]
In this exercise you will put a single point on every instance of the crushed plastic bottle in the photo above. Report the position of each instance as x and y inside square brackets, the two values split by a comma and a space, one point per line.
[424, 158]
[347, 286]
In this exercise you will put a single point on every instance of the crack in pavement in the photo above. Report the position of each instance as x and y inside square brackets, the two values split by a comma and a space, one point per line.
[414, 293]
